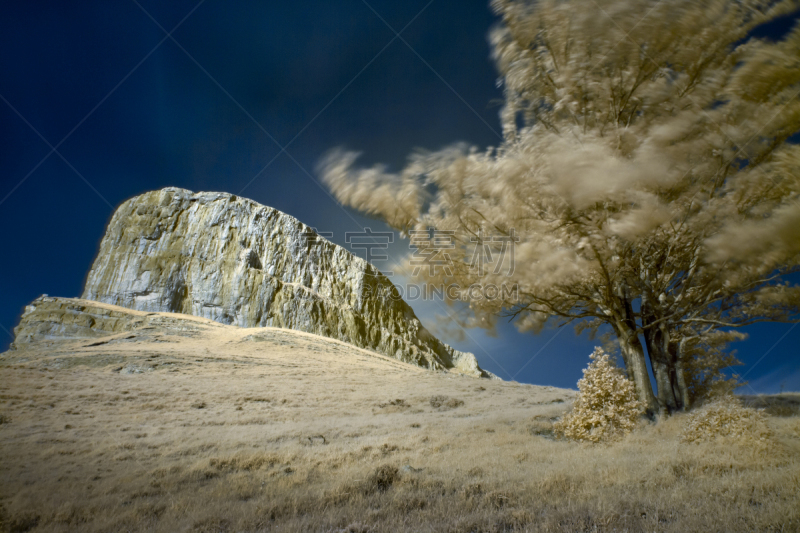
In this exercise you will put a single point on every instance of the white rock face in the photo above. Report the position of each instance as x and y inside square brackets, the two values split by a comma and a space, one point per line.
[237, 262]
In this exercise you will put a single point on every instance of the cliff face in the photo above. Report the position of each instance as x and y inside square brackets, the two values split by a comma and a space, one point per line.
[234, 261]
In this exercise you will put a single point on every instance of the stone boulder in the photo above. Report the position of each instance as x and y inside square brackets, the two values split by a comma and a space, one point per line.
[237, 262]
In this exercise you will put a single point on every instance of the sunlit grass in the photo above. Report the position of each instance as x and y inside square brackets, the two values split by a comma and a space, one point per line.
[297, 440]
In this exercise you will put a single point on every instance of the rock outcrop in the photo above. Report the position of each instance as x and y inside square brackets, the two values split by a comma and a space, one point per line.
[53, 319]
[234, 261]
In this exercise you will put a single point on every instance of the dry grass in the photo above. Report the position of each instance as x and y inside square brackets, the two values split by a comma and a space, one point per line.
[296, 437]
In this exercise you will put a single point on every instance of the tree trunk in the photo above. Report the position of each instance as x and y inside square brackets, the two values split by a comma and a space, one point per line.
[624, 324]
[657, 341]
[680, 374]
[633, 355]
[663, 353]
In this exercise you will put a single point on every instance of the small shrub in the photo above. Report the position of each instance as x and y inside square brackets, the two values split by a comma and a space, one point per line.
[394, 403]
[393, 406]
[354, 528]
[475, 471]
[443, 403]
[726, 419]
[540, 426]
[452, 403]
[473, 490]
[606, 406]
[212, 524]
[243, 463]
[381, 479]
[497, 499]
[22, 523]
[410, 503]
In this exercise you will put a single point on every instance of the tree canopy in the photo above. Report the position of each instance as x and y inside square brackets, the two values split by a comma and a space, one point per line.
[645, 179]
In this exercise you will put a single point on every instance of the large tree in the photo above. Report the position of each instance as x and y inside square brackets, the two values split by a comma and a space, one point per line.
[645, 178]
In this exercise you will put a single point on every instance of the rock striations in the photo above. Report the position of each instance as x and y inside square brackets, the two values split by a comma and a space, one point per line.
[234, 261]
[49, 319]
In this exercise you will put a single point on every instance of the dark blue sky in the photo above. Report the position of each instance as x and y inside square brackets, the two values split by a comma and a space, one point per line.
[130, 109]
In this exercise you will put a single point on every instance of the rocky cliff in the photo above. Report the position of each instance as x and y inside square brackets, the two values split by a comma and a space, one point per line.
[237, 262]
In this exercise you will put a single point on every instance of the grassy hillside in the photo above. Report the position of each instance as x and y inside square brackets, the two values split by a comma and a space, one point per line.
[228, 429]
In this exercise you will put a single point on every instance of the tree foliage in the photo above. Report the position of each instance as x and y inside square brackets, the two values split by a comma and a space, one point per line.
[606, 407]
[645, 172]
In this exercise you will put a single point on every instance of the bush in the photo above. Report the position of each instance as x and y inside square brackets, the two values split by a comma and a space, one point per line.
[726, 419]
[443, 403]
[381, 479]
[606, 407]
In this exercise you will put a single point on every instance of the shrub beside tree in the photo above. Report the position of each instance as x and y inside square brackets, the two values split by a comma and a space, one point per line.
[727, 421]
[606, 407]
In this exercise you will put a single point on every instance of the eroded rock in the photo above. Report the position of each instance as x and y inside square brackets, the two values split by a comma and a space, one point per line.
[237, 262]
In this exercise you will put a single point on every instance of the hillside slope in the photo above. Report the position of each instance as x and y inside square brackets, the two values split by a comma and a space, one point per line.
[184, 424]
